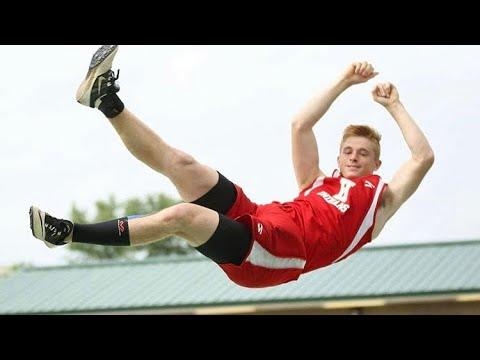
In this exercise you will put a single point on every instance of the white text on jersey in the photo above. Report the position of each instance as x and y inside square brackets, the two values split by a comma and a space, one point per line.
[335, 202]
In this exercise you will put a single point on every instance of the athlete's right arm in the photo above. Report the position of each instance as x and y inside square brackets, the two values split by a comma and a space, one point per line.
[304, 145]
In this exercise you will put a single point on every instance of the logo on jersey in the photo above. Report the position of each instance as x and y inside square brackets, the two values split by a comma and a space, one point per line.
[369, 184]
[260, 228]
[335, 202]
[339, 200]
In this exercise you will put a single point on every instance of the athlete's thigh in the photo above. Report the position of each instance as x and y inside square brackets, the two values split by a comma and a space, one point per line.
[194, 181]
[221, 197]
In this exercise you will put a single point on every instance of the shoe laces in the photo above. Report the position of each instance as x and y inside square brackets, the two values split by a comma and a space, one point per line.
[56, 229]
[111, 78]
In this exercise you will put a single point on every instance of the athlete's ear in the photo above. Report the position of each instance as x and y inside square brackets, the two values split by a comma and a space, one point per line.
[338, 161]
[378, 163]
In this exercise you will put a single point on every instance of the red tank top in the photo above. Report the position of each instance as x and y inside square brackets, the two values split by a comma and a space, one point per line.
[338, 217]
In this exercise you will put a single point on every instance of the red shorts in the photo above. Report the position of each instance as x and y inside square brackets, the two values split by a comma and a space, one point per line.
[277, 254]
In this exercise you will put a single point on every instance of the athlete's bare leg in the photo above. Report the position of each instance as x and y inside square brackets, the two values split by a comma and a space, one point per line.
[191, 178]
[194, 223]
[98, 90]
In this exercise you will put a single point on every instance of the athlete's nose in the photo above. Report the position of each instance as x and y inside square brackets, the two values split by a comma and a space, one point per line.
[353, 157]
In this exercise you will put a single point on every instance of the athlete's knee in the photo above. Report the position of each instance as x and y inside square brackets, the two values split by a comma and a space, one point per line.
[181, 159]
[177, 217]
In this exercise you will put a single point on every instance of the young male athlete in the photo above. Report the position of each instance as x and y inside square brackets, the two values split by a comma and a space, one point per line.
[258, 245]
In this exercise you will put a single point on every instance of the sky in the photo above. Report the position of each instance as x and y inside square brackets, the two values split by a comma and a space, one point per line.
[230, 107]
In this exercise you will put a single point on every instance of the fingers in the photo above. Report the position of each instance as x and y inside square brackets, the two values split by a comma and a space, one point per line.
[382, 89]
[365, 69]
[358, 67]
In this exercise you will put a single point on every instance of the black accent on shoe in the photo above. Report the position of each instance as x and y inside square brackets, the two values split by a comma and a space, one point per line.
[56, 230]
[50, 230]
[104, 85]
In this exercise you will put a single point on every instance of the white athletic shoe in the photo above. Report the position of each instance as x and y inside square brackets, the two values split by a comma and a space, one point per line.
[100, 79]
[52, 231]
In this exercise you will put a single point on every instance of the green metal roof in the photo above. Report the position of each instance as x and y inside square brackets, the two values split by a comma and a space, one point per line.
[391, 271]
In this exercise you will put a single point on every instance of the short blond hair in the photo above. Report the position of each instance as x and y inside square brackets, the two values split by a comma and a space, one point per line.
[366, 132]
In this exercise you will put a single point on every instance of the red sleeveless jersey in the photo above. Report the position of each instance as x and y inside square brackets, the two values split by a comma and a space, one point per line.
[338, 217]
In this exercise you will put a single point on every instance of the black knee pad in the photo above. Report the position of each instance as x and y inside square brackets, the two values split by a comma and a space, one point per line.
[221, 197]
[229, 244]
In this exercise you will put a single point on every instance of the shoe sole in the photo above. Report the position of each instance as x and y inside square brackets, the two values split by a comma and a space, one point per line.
[37, 221]
[101, 62]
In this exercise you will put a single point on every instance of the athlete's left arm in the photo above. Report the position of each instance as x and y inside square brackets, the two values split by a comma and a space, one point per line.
[409, 176]
[305, 155]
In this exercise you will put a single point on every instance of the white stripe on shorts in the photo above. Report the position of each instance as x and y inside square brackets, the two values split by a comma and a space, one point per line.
[261, 257]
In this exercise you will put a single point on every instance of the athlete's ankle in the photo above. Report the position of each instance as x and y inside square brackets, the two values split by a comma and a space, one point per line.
[111, 106]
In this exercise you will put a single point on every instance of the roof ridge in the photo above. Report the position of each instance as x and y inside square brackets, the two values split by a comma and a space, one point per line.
[424, 245]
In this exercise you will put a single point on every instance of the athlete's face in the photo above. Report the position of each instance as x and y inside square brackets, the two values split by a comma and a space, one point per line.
[357, 157]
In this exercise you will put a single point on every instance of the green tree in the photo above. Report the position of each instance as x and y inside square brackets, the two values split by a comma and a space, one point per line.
[111, 209]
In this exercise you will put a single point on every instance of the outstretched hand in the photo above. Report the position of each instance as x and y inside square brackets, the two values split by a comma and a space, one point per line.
[385, 94]
[359, 72]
